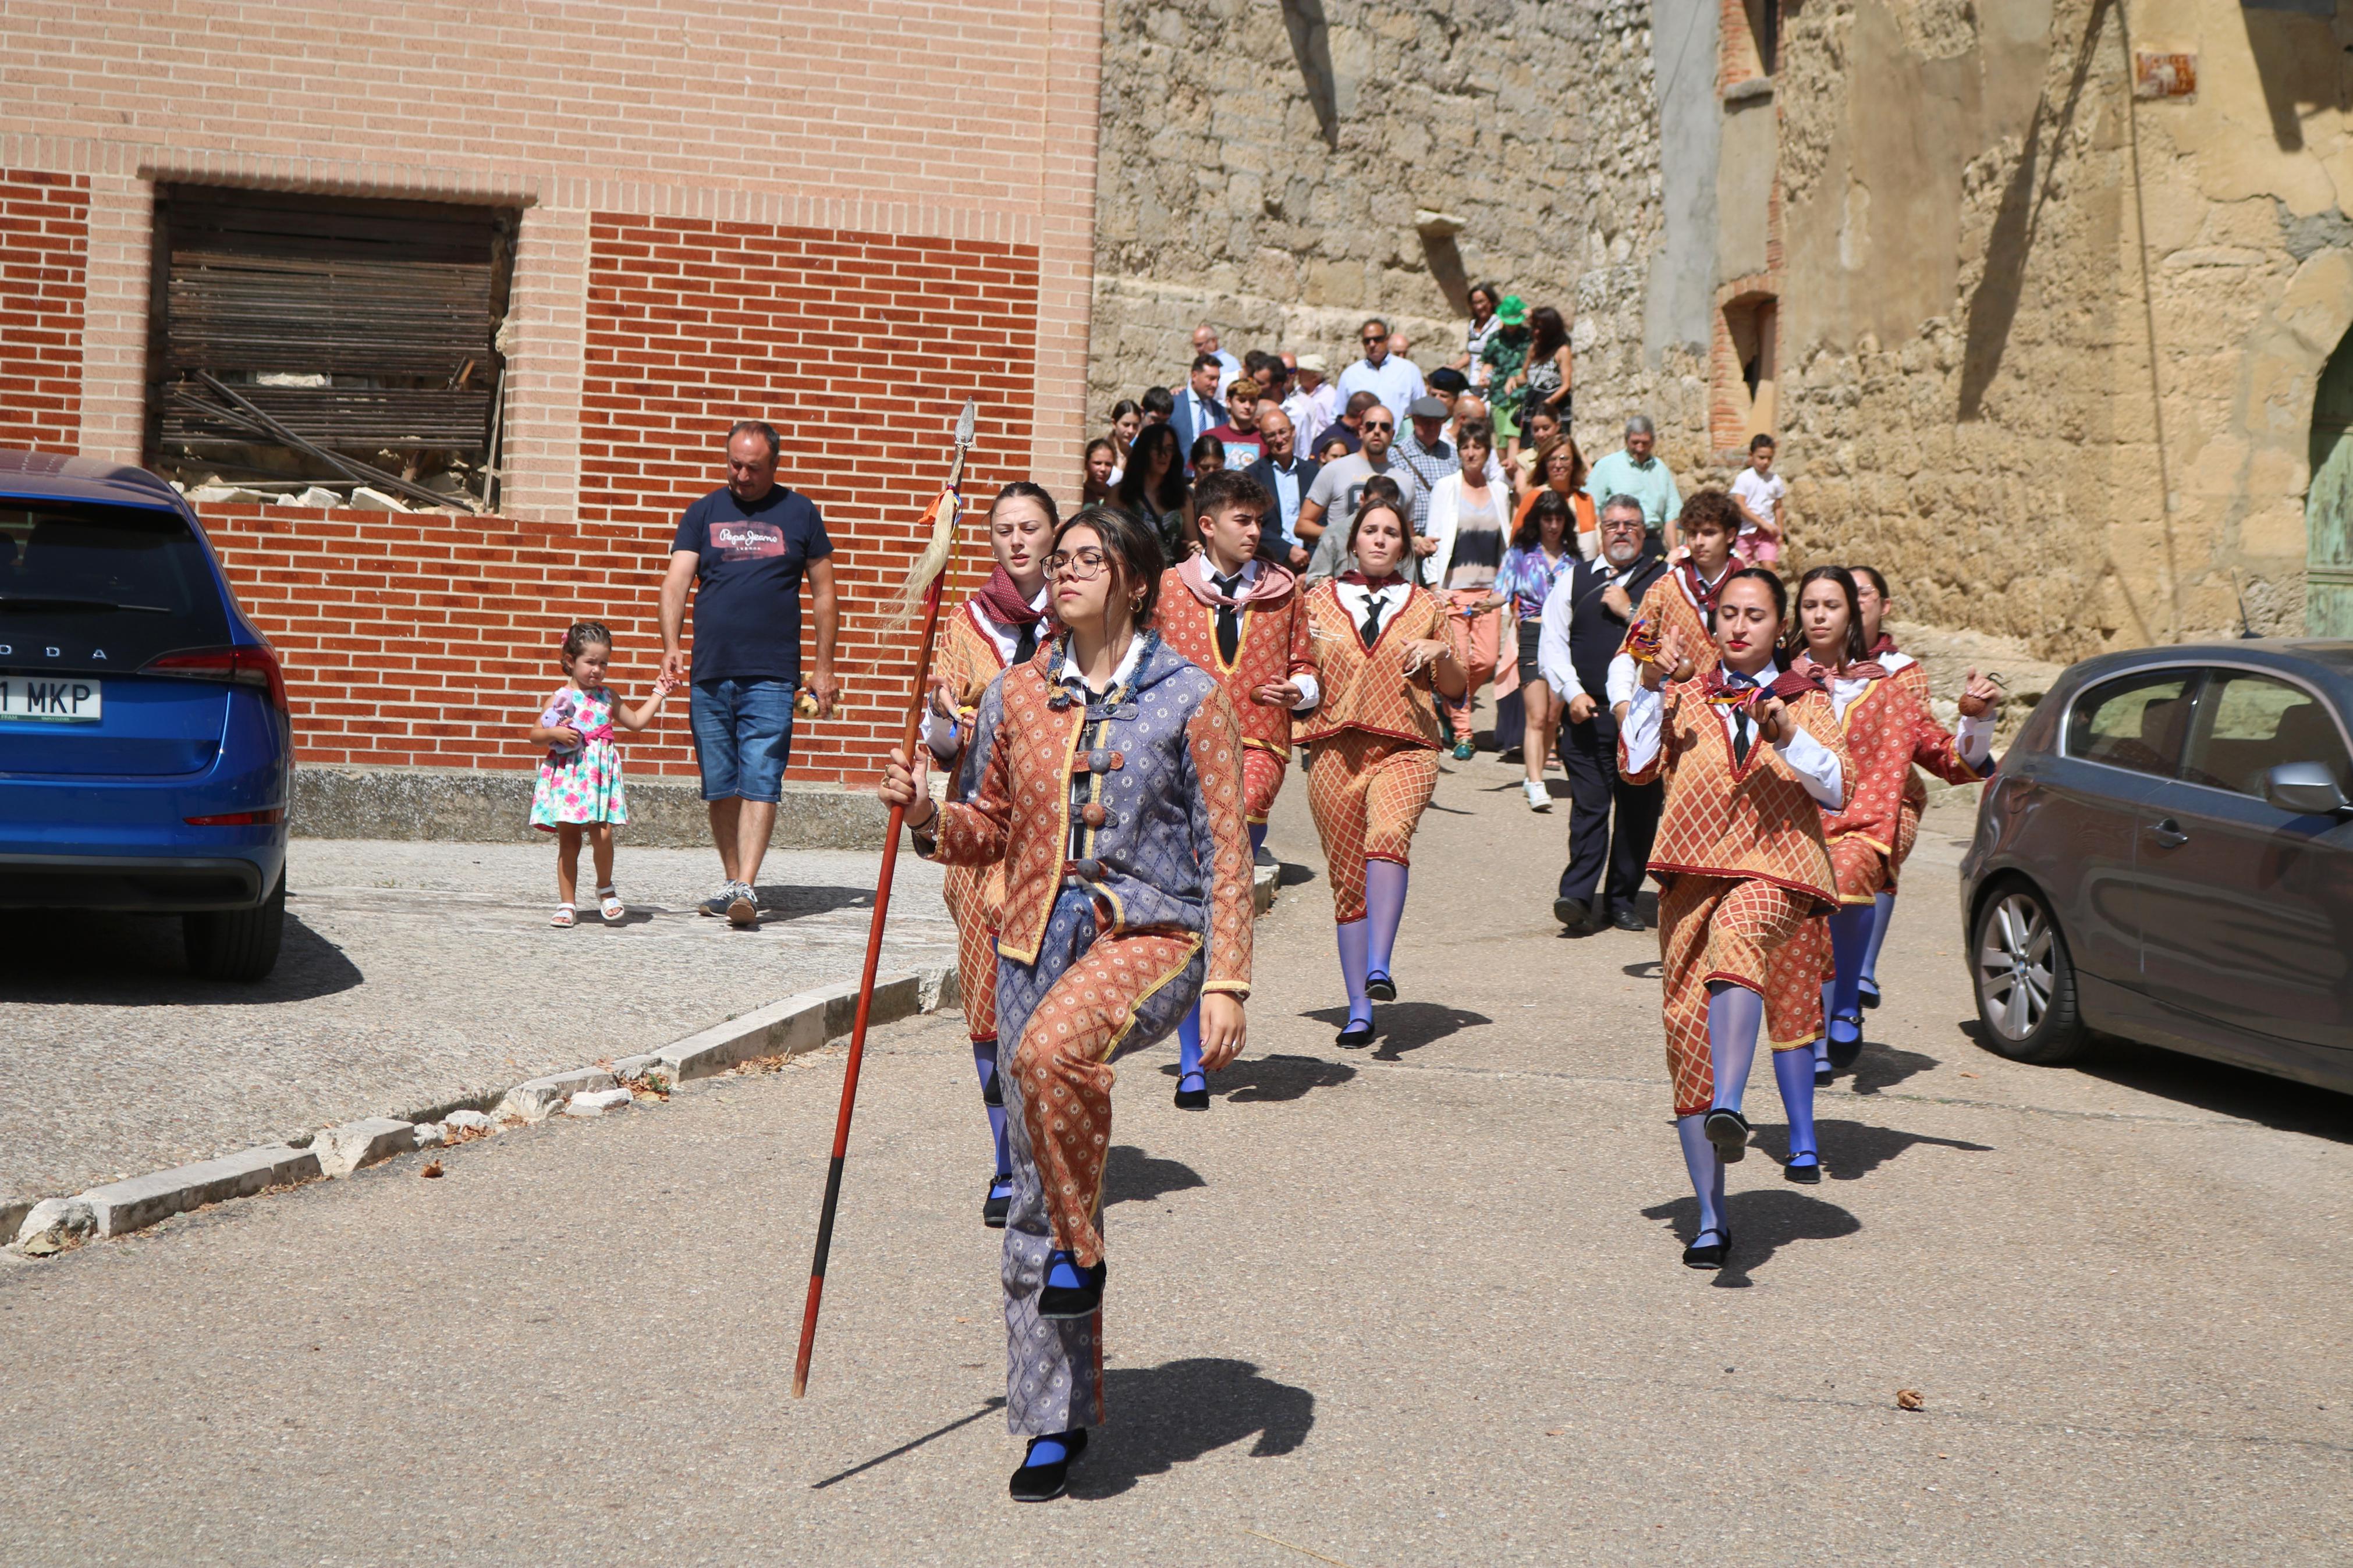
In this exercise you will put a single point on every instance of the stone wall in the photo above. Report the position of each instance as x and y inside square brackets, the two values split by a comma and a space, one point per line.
[1261, 161]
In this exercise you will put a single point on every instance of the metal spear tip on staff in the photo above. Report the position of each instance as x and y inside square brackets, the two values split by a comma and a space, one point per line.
[919, 595]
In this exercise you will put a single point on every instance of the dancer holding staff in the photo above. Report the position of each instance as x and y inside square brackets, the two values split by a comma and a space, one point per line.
[1380, 647]
[998, 627]
[1887, 730]
[1244, 621]
[1110, 786]
[1747, 751]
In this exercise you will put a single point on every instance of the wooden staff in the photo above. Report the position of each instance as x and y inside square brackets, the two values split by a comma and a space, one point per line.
[923, 584]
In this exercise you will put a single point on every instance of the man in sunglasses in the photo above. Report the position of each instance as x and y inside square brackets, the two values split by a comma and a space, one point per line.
[1396, 382]
[1339, 485]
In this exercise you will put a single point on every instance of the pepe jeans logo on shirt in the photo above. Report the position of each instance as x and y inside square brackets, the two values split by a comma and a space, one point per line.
[747, 541]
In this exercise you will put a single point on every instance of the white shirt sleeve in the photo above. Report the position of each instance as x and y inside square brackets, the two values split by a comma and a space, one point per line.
[1975, 739]
[940, 734]
[1310, 693]
[1645, 717]
[1817, 768]
[1624, 679]
[1553, 659]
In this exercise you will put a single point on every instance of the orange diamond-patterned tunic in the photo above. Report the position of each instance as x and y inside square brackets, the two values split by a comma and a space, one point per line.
[1913, 676]
[1745, 875]
[1670, 608]
[1888, 732]
[1375, 739]
[968, 660]
[1273, 646]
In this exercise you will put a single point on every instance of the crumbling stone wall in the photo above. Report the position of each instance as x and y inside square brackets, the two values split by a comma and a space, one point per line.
[1260, 164]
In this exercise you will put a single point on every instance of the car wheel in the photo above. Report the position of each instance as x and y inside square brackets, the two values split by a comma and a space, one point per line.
[2025, 981]
[238, 944]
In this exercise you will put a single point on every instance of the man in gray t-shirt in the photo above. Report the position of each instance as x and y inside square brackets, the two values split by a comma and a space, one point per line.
[1332, 498]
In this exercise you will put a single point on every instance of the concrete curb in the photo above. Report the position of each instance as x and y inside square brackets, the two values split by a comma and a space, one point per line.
[483, 805]
[800, 1022]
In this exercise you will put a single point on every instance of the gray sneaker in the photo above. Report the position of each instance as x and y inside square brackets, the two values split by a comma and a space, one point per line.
[743, 906]
[716, 905]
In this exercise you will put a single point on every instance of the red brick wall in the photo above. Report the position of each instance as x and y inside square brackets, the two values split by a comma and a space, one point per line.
[44, 259]
[429, 640]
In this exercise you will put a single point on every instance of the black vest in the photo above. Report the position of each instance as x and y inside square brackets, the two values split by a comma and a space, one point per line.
[1594, 633]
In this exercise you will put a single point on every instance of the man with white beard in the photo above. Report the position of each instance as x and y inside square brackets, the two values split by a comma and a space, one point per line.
[1585, 620]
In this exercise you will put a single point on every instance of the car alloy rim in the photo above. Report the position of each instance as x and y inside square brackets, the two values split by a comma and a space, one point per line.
[2014, 966]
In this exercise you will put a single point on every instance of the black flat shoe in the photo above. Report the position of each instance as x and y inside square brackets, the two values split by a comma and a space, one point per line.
[1354, 1036]
[1871, 993]
[994, 1207]
[1193, 1099]
[1824, 1075]
[1058, 1301]
[1572, 913]
[1627, 920]
[1380, 988]
[1714, 1254]
[1843, 1051]
[1804, 1175]
[1728, 1131]
[1044, 1483]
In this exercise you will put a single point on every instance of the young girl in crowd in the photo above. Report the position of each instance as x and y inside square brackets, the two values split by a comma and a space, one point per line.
[1244, 620]
[1380, 646]
[579, 789]
[1539, 557]
[1759, 493]
[1748, 754]
[1102, 471]
[1109, 788]
[999, 628]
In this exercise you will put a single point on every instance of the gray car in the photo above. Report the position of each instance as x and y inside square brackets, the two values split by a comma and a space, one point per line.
[2166, 854]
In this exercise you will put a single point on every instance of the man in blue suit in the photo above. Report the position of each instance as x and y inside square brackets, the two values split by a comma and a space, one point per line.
[1287, 477]
[1198, 410]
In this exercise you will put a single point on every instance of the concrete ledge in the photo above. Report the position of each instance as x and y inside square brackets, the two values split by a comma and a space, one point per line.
[344, 1149]
[123, 1206]
[482, 806]
[537, 1099]
[802, 1022]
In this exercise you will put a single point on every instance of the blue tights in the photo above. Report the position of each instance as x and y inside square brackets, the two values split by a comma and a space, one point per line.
[1883, 910]
[1849, 948]
[1706, 1174]
[984, 1061]
[1793, 1072]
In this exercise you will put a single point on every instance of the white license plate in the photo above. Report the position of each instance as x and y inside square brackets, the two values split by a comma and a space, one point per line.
[66, 700]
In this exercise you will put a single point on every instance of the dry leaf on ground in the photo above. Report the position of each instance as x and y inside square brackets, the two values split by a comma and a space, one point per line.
[1908, 1399]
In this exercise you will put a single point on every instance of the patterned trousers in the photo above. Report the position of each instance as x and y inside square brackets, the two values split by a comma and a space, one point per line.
[1754, 934]
[1261, 782]
[1092, 996]
[1862, 868]
[1367, 793]
[976, 899]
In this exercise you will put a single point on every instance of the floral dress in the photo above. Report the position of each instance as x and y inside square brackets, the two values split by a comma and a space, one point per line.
[583, 784]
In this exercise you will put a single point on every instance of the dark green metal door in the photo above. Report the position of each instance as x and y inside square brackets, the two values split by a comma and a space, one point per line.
[2328, 507]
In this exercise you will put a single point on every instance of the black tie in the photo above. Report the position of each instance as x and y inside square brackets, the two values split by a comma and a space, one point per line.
[1229, 616]
[1372, 629]
[1741, 740]
[1025, 642]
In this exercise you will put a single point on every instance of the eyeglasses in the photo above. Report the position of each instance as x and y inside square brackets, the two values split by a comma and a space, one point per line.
[1622, 525]
[1083, 564]
[1371, 338]
[1379, 425]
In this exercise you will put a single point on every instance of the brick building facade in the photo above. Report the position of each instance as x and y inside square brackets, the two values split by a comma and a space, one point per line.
[839, 221]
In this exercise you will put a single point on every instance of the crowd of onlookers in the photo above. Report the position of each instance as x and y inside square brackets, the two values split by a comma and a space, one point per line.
[1479, 451]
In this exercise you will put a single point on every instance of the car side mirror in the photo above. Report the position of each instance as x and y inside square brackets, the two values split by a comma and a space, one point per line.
[2307, 789]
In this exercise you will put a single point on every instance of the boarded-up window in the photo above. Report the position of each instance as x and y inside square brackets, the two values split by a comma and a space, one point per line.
[299, 339]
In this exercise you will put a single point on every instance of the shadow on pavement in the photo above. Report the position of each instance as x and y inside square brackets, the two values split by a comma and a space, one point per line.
[909, 1446]
[2278, 1103]
[137, 961]
[784, 901]
[1762, 1224]
[1853, 1150]
[1405, 1026]
[1273, 1077]
[1293, 874]
[1163, 1416]
[1884, 1066]
[1130, 1175]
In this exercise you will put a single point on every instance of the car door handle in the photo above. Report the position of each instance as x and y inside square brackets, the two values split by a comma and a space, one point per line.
[2167, 833]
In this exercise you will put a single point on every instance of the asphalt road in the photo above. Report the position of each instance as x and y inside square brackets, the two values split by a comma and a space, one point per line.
[1415, 1304]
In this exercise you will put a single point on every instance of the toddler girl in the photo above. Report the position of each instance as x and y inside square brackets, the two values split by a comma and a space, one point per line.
[579, 787]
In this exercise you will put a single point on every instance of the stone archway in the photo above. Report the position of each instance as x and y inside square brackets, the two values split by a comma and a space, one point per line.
[2328, 504]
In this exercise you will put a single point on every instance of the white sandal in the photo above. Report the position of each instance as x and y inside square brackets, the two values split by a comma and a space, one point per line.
[563, 915]
[609, 905]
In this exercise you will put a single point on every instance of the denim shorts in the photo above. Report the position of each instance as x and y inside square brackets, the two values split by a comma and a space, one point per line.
[742, 737]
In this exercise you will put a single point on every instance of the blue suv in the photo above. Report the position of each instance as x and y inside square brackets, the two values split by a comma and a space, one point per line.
[146, 755]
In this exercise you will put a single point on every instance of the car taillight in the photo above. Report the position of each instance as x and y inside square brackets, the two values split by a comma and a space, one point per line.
[239, 818]
[255, 667]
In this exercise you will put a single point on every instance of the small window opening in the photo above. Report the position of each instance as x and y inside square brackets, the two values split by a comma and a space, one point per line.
[305, 343]
[1751, 323]
[1765, 32]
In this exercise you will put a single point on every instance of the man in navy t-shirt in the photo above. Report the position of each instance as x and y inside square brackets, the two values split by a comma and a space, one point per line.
[744, 550]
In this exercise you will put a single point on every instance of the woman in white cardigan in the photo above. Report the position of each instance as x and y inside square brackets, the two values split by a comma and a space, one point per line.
[1470, 521]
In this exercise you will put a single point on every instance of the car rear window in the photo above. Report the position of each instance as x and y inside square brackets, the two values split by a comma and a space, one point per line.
[2249, 724]
[108, 587]
[2133, 721]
